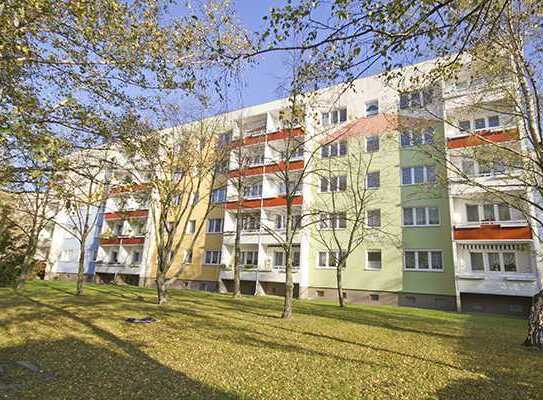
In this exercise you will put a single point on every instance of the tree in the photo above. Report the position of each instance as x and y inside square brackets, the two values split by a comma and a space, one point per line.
[31, 204]
[349, 216]
[178, 168]
[81, 191]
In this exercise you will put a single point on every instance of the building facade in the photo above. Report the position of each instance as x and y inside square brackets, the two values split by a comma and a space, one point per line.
[448, 244]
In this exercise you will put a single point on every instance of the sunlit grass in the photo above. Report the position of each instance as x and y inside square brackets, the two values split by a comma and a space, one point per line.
[209, 346]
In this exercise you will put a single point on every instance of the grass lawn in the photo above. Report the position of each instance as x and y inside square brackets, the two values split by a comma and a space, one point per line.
[210, 346]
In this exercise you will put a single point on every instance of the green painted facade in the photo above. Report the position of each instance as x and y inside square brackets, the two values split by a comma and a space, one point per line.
[390, 198]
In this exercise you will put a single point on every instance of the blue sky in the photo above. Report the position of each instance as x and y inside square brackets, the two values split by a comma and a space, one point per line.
[261, 80]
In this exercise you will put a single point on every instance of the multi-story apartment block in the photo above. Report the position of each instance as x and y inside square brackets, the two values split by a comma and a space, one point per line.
[449, 246]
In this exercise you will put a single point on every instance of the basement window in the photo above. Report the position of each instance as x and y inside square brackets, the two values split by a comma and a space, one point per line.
[374, 297]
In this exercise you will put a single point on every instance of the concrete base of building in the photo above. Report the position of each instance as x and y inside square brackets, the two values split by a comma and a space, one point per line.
[265, 288]
[496, 304]
[206, 286]
[66, 276]
[439, 302]
[119, 279]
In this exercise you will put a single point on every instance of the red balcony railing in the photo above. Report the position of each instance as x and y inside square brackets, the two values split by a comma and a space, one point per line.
[481, 137]
[493, 232]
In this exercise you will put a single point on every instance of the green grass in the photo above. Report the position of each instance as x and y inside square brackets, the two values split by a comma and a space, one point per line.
[210, 346]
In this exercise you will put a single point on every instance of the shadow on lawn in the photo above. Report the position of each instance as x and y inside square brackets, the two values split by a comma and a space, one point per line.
[126, 373]
[74, 367]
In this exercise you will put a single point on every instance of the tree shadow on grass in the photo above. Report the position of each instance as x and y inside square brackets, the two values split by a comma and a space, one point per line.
[79, 366]
[76, 369]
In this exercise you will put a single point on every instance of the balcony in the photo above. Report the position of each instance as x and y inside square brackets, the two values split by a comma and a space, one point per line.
[260, 203]
[271, 168]
[117, 268]
[492, 231]
[263, 273]
[519, 279]
[477, 138]
[121, 215]
[121, 240]
[268, 137]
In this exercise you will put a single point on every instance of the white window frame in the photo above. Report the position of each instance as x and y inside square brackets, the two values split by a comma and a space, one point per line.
[472, 128]
[218, 195]
[327, 266]
[212, 225]
[191, 226]
[243, 256]
[368, 218]
[486, 262]
[284, 259]
[337, 178]
[412, 174]
[329, 116]
[328, 220]
[379, 179]
[429, 252]
[368, 267]
[376, 137]
[428, 132]
[341, 149]
[414, 216]
[372, 103]
[497, 219]
[216, 255]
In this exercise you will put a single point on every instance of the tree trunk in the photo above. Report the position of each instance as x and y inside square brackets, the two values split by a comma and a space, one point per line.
[339, 275]
[80, 271]
[535, 323]
[237, 272]
[26, 266]
[161, 289]
[289, 289]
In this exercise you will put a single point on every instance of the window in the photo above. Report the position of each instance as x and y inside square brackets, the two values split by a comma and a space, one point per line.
[372, 108]
[252, 191]
[281, 221]
[114, 257]
[250, 222]
[136, 257]
[372, 144]
[119, 229]
[472, 212]
[480, 123]
[214, 225]
[493, 121]
[373, 180]
[493, 261]
[334, 117]
[416, 99]
[225, 138]
[333, 184]
[477, 262]
[188, 256]
[418, 174]
[329, 259]
[218, 195]
[464, 126]
[491, 212]
[248, 258]
[417, 138]
[332, 221]
[195, 197]
[374, 260]
[420, 216]
[423, 260]
[213, 257]
[280, 260]
[334, 149]
[374, 218]
[191, 227]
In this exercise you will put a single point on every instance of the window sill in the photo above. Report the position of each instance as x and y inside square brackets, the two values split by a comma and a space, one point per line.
[422, 270]
[330, 268]
[421, 226]
[373, 269]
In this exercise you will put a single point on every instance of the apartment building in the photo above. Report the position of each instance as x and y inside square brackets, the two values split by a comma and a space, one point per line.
[448, 245]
